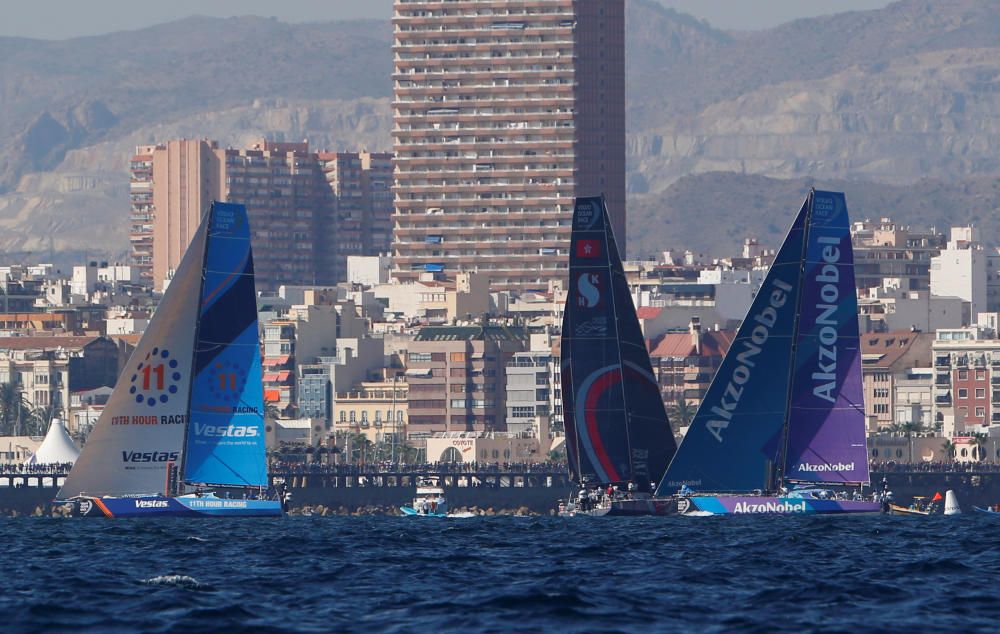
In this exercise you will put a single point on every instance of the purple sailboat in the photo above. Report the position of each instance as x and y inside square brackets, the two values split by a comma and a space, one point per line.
[782, 426]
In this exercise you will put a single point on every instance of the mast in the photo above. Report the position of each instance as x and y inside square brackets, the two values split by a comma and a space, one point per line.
[779, 468]
[618, 338]
[181, 478]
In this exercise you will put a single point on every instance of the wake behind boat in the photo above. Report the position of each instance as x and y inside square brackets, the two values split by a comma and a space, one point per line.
[617, 432]
[782, 423]
[183, 431]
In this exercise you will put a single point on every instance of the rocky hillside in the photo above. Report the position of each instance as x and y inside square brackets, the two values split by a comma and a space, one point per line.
[896, 100]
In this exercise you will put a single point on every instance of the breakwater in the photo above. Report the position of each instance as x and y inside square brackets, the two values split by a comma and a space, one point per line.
[501, 491]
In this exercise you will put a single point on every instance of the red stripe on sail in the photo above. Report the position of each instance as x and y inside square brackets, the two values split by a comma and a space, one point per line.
[597, 388]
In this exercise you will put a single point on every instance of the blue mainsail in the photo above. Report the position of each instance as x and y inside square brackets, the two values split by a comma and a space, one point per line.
[225, 439]
[826, 422]
[734, 440]
[616, 426]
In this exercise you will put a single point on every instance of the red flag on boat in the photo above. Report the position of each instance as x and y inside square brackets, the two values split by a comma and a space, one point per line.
[937, 497]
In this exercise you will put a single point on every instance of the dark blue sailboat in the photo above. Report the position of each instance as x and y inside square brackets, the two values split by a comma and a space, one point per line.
[617, 432]
[786, 407]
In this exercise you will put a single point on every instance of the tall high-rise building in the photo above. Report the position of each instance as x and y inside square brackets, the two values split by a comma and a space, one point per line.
[172, 186]
[308, 211]
[504, 112]
[289, 206]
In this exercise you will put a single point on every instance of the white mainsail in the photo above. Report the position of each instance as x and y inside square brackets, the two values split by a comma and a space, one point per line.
[141, 429]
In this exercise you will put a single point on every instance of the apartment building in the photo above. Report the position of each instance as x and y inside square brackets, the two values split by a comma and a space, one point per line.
[966, 379]
[884, 249]
[686, 362]
[308, 211]
[503, 113]
[891, 386]
[455, 376]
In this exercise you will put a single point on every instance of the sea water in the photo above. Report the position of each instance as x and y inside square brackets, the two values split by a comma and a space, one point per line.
[501, 574]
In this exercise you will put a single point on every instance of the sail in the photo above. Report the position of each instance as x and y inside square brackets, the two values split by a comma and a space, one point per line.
[616, 426]
[141, 429]
[734, 439]
[225, 440]
[826, 422]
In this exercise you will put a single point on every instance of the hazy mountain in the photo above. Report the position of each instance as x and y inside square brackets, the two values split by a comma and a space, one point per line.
[712, 213]
[876, 101]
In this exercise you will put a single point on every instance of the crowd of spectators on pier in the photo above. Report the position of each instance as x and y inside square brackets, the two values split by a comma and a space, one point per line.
[388, 468]
[891, 466]
[60, 468]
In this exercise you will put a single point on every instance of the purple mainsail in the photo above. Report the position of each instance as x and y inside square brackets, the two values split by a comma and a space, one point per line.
[826, 418]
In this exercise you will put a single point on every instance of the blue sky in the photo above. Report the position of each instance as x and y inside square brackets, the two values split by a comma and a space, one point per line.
[58, 19]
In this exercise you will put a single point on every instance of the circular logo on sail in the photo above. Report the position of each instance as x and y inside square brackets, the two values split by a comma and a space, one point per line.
[156, 379]
[224, 381]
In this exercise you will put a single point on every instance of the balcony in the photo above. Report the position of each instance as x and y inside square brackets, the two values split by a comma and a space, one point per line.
[942, 361]
[943, 399]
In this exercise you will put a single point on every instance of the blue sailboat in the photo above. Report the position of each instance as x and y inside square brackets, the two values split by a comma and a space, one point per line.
[617, 432]
[182, 433]
[783, 420]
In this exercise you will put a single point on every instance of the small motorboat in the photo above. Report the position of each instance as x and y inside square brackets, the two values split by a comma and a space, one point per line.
[990, 510]
[918, 506]
[430, 502]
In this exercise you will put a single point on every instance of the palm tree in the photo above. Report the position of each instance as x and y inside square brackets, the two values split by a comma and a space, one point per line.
[949, 448]
[909, 428]
[41, 417]
[682, 413]
[979, 440]
[13, 409]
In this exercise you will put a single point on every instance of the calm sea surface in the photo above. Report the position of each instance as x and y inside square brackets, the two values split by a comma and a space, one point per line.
[501, 574]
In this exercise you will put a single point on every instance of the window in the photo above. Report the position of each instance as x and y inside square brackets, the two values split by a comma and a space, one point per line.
[963, 392]
[458, 402]
[457, 357]
[378, 416]
[980, 392]
[980, 412]
[980, 375]
[420, 357]
[364, 416]
[963, 375]
[881, 408]
[343, 416]
[353, 417]
[522, 412]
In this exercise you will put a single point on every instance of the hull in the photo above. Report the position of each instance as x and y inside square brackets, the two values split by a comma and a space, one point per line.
[625, 508]
[979, 509]
[183, 506]
[409, 511]
[770, 505]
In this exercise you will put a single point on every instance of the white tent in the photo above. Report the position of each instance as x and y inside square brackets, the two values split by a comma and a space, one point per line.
[57, 448]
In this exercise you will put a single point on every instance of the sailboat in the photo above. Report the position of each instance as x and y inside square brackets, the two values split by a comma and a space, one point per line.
[783, 420]
[182, 433]
[618, 438]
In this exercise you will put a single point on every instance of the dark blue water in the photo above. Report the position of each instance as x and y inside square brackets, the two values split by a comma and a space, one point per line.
[502, 574]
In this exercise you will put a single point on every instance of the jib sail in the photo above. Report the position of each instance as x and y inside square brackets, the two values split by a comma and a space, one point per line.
[734, 440]
[141, 430]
